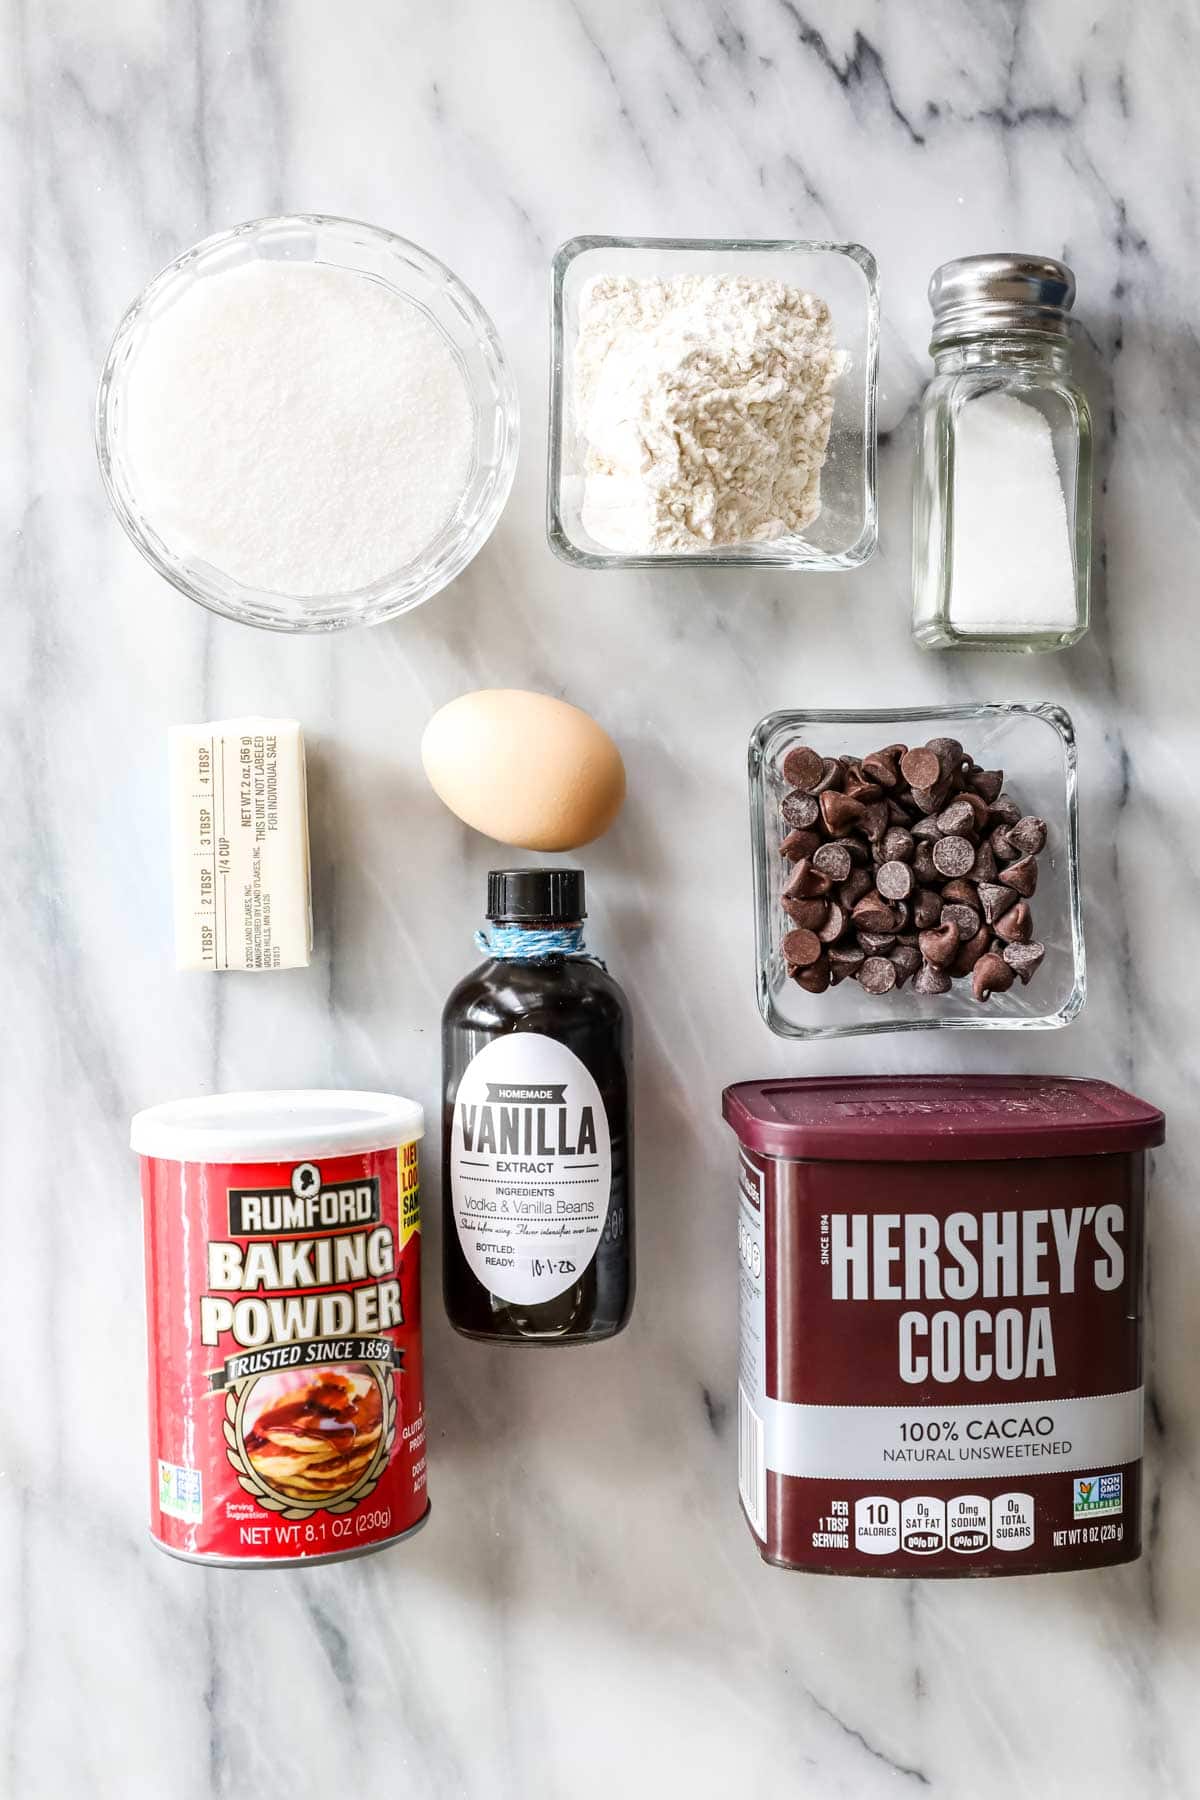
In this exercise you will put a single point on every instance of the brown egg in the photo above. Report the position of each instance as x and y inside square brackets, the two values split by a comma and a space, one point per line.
[524, 769]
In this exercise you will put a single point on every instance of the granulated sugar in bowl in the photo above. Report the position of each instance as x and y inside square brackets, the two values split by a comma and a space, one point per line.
[306, 423]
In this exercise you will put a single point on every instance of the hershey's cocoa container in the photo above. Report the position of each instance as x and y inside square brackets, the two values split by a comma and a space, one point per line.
[940, 1366]
[283, 1299]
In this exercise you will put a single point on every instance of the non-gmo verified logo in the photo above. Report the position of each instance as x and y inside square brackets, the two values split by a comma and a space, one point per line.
[1095, 1495]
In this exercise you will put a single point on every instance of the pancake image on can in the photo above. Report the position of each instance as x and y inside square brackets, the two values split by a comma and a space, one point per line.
[315, 1440]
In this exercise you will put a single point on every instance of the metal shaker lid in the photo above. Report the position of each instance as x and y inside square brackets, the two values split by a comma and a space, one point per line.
[1000, 291]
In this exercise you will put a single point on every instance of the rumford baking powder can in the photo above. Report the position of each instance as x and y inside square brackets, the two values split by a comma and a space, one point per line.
[283, 1298]
[940, 1360]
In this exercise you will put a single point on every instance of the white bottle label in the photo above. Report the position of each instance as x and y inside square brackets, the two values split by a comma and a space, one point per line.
[530, 1167]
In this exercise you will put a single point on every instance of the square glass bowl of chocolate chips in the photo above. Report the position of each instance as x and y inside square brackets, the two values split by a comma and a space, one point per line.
[916, 870]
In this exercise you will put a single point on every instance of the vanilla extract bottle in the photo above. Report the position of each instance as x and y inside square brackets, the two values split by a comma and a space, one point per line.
[537, 1164]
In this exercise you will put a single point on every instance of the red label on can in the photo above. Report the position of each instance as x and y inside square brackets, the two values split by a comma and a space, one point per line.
[284, 1317]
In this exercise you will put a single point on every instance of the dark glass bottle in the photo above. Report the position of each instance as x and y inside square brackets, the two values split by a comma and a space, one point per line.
[537, 1151]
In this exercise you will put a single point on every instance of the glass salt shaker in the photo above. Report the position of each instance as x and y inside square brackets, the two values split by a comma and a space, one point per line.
[1002, 504]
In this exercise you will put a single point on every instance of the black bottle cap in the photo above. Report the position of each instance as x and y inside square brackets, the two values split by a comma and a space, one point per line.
[516, 896]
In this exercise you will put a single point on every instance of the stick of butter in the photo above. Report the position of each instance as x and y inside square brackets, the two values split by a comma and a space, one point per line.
[239, 841]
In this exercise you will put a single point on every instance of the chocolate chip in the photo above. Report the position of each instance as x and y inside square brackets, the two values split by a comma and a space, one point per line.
[860, 855]
[840, 813]
[894, 880]
[811, 914]
[953, 820]
[874, 820]
[833, 860]
[1003, 847]
[921, 768]
[801, 811]
[806, 883]
[926, 831]
[814, 979]
[954, 856]
[927, 908]
[852, 890]
[961, 893]
[847, 956]
[860, 787]
[939, 945]
[906, 960]
[987, 783]
[832, 776]
[924, 867]
[979, 807]
[897, 845]
[800, 949]
[931, 980]
[876, 942]
[1029, 835]
[1015, 926]
[970, 952]
[878, 975]
[884, 766]
[1003, 810]
[991, 975]
[965, 917]
[874, 914]
[949, 752]
[1026, 959]
[836, 921]
[803, 768]
[1021, 876]
[985, 862]
[931, 800]
[994, 899]
[799, 843]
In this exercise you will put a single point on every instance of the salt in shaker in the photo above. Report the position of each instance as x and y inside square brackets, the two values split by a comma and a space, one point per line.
[1002, 502]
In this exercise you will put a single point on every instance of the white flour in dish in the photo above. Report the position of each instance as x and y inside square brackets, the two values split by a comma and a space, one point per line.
[705, 402]
[299, 427]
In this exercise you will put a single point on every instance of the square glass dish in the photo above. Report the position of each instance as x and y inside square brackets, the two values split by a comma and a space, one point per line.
[844, 533]
[1035, 747]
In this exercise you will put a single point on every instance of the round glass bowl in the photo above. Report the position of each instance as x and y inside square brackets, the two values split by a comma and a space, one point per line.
[428, 285]
[1035, 746]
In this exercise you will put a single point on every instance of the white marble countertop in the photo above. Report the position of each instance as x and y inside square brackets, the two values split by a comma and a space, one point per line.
[586, 1611]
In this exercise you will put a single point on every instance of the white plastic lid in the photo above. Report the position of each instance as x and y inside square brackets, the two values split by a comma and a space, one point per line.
[275, 1127]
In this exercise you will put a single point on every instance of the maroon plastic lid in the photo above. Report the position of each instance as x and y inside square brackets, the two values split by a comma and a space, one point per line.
[938, 1118]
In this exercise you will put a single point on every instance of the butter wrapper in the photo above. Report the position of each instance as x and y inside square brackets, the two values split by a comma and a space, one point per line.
[239, 845]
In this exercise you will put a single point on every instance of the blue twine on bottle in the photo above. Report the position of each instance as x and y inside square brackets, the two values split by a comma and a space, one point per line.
[518, 943]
